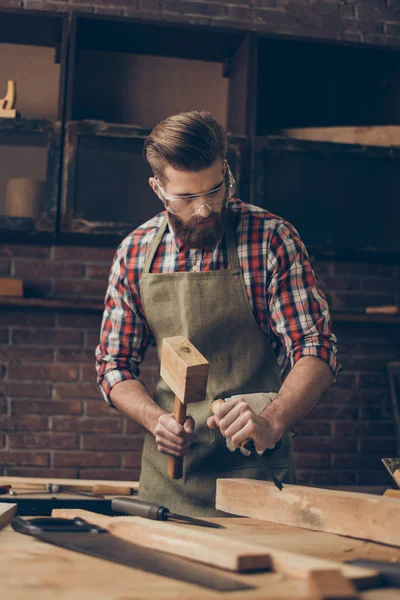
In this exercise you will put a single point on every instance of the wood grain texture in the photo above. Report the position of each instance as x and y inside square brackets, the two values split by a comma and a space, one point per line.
[7, 511]
[48, 571]
[357, 515]
[184, 369]
[217, 550]
[176, 539]
[39, 483]
[331, 585]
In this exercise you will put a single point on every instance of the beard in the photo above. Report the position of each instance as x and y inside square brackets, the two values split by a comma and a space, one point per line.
[196, 237]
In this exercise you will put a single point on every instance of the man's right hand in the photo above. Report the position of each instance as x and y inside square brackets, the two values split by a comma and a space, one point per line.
[171, 437]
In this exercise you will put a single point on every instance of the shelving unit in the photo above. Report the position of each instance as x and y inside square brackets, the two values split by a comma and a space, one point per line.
[115, 78]
[33, 46]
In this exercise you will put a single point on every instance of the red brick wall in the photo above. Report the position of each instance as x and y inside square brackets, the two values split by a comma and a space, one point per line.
[54, 421]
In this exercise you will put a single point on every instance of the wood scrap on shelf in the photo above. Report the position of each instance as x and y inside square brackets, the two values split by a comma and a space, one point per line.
[358, 515]
[381, 135]
[7, 104]
[217, 550]
[10, 286]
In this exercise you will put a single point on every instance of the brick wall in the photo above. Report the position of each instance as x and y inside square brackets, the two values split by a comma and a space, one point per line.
[370, 21]
[55, 422]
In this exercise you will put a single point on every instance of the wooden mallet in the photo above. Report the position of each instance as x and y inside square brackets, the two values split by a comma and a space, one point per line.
[185, 371]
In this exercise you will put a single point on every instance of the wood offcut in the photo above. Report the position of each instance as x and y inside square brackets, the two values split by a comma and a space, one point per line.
[352, 514]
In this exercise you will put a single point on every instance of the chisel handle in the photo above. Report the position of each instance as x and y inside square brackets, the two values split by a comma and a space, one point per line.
[175, 463]
[139, 508]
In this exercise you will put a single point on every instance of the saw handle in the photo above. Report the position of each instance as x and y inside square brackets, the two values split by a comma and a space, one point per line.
[175, 463]
[40, 525]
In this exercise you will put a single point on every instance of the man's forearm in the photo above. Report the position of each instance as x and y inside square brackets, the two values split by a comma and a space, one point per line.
[131, 398]
[300, 392]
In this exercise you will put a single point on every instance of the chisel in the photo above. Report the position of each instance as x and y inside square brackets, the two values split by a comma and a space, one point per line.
[249, 445]
[139, 508]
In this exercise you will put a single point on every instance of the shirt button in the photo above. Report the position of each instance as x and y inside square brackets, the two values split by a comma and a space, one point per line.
[195, 268]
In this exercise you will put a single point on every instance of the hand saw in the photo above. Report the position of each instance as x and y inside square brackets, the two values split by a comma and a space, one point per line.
[81, 536]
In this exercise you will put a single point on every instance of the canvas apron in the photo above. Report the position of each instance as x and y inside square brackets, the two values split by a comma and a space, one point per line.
[212, 310]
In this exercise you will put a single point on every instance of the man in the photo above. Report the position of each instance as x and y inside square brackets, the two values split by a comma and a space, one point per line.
[237, 282]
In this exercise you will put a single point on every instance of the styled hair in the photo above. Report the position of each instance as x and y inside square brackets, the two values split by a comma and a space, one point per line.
[188, 141]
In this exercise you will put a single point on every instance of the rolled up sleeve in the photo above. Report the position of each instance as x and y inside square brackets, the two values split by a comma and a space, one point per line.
[299, 313]
[125, 334]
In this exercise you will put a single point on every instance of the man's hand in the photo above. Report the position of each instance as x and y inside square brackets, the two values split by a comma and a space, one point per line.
[237, 421]
[171, 437]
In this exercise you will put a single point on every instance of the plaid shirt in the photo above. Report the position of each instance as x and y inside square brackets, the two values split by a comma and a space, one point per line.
[287, 302]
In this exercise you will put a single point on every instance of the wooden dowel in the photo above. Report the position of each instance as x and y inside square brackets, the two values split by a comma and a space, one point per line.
[175, 463]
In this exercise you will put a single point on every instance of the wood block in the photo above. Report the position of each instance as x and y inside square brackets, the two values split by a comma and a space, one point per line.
[215, 549]
[392, 493]
[10, 113]
[331, 585]
[11, 287]
[184, 369]
[396, 476]
[364, 516]
[7, 511]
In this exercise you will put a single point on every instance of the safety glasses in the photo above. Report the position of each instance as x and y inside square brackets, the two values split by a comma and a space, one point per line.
[186, 206]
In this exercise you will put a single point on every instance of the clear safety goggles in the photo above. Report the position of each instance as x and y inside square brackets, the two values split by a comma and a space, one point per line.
[214, 200]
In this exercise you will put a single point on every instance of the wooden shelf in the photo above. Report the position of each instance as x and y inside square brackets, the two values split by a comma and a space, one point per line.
[350, 317]
[52, 304]
[95, 306]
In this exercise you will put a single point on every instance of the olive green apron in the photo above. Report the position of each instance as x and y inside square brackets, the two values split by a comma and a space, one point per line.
[212, 310]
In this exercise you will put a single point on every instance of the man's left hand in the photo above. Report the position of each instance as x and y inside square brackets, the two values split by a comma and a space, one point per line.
[237, 421]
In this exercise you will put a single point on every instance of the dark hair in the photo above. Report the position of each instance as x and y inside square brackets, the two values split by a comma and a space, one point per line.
[188, 141]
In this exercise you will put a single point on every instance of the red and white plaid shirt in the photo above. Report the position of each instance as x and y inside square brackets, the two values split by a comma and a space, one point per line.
[287, 302]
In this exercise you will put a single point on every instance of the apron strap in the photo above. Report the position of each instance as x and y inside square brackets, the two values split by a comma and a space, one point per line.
[154, 246]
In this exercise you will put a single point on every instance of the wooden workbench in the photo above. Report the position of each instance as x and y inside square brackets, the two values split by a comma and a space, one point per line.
[38, 571]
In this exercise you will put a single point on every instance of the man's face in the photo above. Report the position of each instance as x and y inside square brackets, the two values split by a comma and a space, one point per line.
[202, 226]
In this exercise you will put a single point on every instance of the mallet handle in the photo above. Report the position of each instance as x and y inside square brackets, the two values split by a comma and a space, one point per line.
[175, 463]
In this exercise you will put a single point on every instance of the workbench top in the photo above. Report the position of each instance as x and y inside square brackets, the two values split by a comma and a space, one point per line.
[39, 571]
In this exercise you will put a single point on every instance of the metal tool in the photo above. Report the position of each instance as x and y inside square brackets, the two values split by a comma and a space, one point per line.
[81, 536]
[7, 489]
[139, 508]
[249, 445]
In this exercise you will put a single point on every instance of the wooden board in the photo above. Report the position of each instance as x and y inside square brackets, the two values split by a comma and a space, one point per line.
[216, 550]
[385, 135]
[38, 483]
[7, 511]
[392, 493]
[364, 516]
[30, 568]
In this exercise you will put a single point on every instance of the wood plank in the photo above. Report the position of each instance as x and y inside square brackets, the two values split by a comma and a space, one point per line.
[177, 539]
[331, 585]
[217, 550]
[352, 514]
[38, 483]
[7, 511]
[383, 135]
